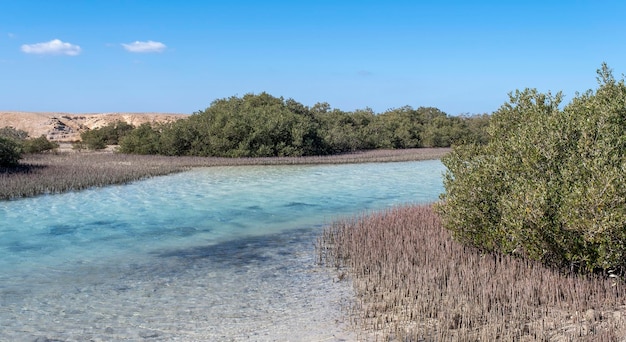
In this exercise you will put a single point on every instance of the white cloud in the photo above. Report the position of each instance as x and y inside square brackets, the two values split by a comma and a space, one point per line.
[148, 46]
[53, 47]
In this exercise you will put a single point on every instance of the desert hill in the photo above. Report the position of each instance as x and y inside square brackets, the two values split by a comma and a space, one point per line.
[63, 127]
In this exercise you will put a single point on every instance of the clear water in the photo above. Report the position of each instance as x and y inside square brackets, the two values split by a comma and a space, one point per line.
[223, 253]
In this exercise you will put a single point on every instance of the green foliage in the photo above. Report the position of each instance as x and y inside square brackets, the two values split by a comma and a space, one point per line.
[97, 139]
[14, 142]
[252, 126]
[264, 126]
[550, 183]
[10, 152]
[396, 129]
[39, 145]
[255, 126]
[175, 139]
[341, 131]
[142, 140]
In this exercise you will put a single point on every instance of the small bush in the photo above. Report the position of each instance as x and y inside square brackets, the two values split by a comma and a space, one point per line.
[10, 152]
[39, 145]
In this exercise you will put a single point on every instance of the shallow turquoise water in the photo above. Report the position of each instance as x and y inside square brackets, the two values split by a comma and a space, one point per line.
[169, 257]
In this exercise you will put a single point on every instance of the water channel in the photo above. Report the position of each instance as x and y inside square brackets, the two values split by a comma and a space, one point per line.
[212, 254]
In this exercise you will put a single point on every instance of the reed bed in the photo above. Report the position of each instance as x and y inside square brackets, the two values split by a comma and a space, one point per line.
[413, 282]
[56, 173]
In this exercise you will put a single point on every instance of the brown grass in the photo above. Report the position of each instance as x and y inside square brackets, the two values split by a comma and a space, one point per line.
[56, 173]
[415, 283]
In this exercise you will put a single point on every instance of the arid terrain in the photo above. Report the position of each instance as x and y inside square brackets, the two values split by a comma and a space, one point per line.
[64, 127]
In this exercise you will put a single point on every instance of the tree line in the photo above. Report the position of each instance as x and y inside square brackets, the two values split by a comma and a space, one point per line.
[261, 125]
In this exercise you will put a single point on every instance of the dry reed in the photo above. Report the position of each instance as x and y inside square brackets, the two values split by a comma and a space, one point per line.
[62, 172]
[413, 282]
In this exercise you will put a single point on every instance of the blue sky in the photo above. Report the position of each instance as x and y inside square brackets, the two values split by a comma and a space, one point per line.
[179, 56]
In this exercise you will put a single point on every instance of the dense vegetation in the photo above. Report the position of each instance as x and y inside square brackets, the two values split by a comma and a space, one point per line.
[550, 184]
[98, 139]
[14, 142]
[265, 126]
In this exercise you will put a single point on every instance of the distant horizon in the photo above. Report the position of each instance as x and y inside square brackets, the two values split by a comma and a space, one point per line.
[165, 57]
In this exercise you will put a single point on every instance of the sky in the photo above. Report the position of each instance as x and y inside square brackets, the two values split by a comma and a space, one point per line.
[463, 57]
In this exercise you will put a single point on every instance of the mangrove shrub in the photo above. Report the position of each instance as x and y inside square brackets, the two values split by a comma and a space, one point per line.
[39, 145]
[10, 152]
[14, 142]
[264, 126]
[550, 184]
[111, 134]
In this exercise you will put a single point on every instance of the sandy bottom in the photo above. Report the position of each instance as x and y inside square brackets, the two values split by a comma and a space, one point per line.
[254, 289]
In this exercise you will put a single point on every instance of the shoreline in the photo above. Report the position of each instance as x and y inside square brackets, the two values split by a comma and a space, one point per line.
[413, 281]
[51, 173]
